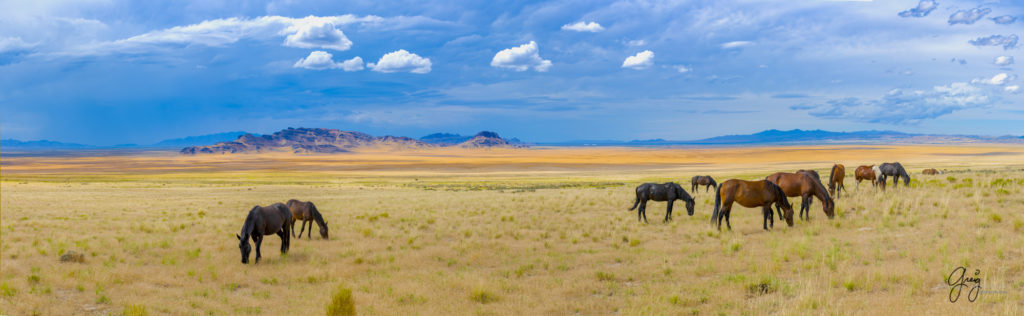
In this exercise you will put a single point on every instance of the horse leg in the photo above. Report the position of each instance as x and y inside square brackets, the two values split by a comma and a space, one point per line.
[668, 211]
[303, 228]
[292, 224]
[641, 213]
[258, 240]
[285, 240]
[728, 215]
[309, 234]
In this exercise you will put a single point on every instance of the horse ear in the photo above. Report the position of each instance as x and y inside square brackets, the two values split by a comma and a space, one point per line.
[239, 237]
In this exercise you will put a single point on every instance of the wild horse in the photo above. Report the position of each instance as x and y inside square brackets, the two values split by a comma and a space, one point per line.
[261, 221]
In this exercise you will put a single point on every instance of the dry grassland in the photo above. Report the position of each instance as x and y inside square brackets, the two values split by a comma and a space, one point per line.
[506, 232]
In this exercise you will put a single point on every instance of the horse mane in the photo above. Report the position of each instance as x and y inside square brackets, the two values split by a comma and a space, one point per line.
[250, 220]
[779, 195]
[316, 214]
[832, 174]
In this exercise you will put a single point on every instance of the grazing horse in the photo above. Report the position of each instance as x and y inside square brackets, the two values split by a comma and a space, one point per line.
[307, 213]
[750, 194]
[835, 179]
[894, 170]
[865, 173]
[931, 171]
[706, 181]
[264, 220]
[804, 186]
[665, 192]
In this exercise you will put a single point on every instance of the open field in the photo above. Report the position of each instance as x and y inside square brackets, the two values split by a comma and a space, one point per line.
[522, 232]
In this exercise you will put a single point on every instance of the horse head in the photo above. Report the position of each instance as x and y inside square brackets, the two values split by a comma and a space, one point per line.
[830, 207]
[244, 247]
[323, 230]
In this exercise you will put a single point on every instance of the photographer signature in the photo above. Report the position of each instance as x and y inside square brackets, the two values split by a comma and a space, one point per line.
[958, 281]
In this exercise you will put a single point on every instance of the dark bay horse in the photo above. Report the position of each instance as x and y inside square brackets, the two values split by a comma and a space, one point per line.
[307, 213]
[865, 173]
[665, 192]
[761, 193]
[835, 179]
[812, 173]
[707, 181]
[894, 170]
[261, 221]
[804, 186]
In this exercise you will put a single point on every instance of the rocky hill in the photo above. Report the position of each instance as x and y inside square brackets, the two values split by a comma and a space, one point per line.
[324, 140]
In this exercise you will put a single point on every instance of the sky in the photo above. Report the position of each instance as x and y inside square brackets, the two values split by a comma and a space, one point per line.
[106, 72]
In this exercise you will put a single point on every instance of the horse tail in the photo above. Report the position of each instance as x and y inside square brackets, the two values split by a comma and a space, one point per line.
[718, 204]
[635, 203]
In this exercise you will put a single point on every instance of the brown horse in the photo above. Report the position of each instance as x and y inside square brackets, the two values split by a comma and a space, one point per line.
[804, 186]
[865, 173]
[835, 179]
[750, 194]
[307, 213]
[264, 220]
[707, 181]
[812, 173]
[931, 171]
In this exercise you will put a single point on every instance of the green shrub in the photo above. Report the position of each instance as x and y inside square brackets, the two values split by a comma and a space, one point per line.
[341, 303]
[135, 310]
[483, 296]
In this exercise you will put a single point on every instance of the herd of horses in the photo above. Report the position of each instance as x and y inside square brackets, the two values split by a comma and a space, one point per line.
[775, 190]
[278, 218]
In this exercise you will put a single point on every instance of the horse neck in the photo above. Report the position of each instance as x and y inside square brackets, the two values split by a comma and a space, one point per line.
[248, 226]
[819, 191]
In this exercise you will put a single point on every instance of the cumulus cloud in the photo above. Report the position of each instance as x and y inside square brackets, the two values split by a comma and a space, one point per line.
[641, 60]
[14, 44]
[1003, 61]
[521, 58]
[968, 16]
[308, 32]
[581, 26]
[320, 60]
[317, 34]
[736, 44]
[900, 107]
[1012, 89]
[1006, 19]
[1007, 41]
[923, 8]
[997, 80]
[401, 61]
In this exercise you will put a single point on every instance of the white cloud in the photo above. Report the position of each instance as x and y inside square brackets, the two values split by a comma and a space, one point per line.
[320, 60]
[581, 26]
[14, 44]
[1003, 61]
[921, 10]
[997, 80]
[641, 60]
[683, 69]
[1012, 89]
[636, 43]
[521, 58]
[401, 61]
[308, 32]
[1005, 19]
[317, 34]
[968, 16]
[1007, 41]
[903, 107]
[736, 44]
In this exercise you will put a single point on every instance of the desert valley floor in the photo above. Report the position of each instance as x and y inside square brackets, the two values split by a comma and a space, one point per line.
[506, 232]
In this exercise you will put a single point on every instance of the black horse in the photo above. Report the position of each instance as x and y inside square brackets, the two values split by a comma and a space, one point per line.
[707, 181]
[894, 170]
[665, 192]
[265, 220]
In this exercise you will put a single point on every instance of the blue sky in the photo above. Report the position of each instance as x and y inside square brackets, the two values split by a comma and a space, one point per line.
[110, 71]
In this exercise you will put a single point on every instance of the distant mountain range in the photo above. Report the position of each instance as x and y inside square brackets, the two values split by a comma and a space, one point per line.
[324, 140]
[169, 143]
[330, 140]
[797, 136]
